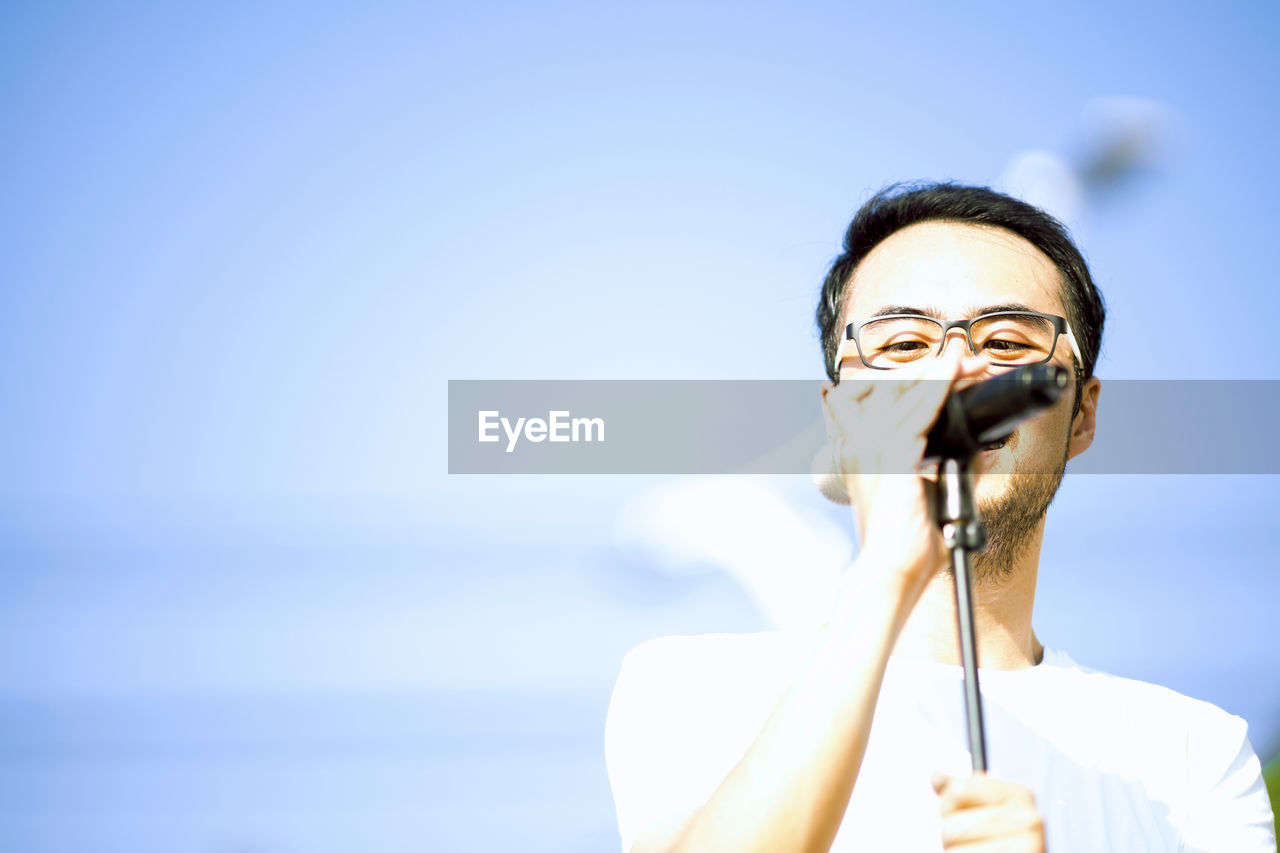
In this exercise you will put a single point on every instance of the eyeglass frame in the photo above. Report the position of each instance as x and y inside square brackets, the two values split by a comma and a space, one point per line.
[1060, 327]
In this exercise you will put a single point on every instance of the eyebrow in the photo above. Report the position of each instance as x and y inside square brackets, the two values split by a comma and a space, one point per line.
[932, 311]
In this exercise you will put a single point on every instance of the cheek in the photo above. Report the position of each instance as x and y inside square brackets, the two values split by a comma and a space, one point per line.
[1042, 443]
[993, 470]
[1037, 447]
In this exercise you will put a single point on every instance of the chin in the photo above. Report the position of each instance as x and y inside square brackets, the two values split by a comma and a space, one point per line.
[992, 490]
[1018, 493]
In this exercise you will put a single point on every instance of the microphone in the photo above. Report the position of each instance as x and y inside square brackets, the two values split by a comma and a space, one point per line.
[971, 419]
[988, 412]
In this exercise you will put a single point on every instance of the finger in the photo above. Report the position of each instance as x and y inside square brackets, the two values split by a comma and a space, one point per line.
[937, 377]
[835, 431]
[921, 405]
[890, 413]
[971, 792]
[854, 390]
[990, 823]
[924, 374]
[982, 790]
[972, 366]
[896, 382]
[1020, 844]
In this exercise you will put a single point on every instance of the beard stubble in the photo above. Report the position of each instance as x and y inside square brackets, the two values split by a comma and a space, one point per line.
[1011, 521]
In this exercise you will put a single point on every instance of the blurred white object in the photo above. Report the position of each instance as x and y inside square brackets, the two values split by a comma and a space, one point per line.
[786, 559]
[1047, 181]
[1122, 138]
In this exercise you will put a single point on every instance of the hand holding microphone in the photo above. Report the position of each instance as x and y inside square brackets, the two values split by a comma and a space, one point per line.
[970, 420]
[880, 429]
[877, 430]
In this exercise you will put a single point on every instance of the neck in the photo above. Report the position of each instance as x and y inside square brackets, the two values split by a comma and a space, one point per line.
[1002, 617]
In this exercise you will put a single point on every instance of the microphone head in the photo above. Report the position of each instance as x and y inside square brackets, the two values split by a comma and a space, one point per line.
[1047, 383]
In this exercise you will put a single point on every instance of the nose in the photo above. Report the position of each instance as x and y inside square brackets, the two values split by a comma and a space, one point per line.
[953, 334]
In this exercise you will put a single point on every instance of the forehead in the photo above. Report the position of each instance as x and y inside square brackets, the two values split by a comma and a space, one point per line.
[954, 270]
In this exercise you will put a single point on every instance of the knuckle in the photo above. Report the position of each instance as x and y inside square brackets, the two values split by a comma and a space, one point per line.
[1033, 836]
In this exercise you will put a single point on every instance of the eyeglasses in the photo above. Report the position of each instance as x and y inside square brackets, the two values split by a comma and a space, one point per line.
[1004, 338]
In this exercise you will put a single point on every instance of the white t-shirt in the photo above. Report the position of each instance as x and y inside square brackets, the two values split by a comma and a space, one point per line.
[1115, 764]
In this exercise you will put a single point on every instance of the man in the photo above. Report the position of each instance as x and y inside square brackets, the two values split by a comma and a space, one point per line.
[766, 742]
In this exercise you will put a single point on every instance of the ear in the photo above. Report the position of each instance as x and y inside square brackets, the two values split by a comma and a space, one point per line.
[1085, 420]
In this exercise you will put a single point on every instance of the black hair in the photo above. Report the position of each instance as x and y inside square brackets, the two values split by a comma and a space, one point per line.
[900, 205]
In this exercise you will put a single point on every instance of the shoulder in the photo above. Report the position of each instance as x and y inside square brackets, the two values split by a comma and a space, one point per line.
[1202, 745]
[1189, 753]
[1130, 698]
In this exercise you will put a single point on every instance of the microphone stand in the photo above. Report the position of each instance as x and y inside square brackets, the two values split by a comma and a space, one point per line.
[962, 531]
[970, 420]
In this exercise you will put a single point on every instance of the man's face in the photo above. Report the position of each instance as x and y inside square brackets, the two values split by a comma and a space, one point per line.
[954, 271]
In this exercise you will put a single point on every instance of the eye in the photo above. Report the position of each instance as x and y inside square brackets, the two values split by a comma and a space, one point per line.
[1013, 337]
[905, 350]
[1009, 349]
[1005, 345]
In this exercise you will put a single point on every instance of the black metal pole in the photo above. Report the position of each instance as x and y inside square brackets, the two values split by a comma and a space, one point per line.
[963, 534]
